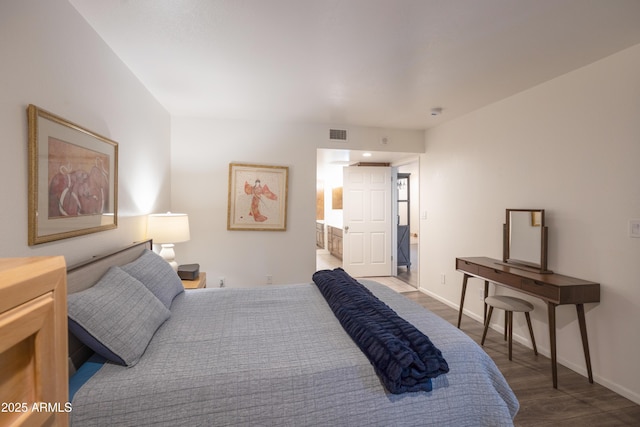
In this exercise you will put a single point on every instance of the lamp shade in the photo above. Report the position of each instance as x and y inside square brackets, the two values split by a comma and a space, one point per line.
[168, 227]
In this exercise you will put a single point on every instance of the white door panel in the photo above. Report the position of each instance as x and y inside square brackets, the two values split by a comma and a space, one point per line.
[355, 205]
[377, 208]
[356, 249]
[379, 252]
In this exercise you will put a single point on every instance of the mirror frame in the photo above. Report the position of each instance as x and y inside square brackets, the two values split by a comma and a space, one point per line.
[540, 268]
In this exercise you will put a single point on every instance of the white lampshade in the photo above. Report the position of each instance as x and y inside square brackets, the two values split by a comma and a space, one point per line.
[168, 227]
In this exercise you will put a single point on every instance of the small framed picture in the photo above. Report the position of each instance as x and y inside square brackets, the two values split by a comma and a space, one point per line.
[73, 179]
[257, 197]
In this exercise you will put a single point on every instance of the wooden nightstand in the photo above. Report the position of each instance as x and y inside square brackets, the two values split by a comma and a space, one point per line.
[200, 282]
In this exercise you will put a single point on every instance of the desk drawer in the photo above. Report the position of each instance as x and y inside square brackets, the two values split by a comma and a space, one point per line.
[494, 275]
[541, 289]
[466, 266]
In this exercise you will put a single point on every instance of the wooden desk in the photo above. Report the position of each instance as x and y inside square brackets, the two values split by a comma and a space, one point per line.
[554, 289]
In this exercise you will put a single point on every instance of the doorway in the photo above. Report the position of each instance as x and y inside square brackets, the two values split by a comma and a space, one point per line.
[329, 220]
[408, 223]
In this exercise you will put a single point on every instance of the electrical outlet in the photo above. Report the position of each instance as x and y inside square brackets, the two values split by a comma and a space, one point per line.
[443, 279]
[221, 281]
[481, 294]
[269, 279]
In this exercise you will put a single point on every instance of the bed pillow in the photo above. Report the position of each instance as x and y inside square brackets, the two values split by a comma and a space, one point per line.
[157, 275]
[116, 317]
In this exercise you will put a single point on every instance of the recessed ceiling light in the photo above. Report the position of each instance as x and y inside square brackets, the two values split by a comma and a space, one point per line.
[366, 154]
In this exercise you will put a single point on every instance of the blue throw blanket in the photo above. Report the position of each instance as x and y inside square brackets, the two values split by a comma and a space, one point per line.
[402, 356]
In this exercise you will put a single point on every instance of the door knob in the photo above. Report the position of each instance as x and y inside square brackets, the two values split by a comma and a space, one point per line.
[346, 229]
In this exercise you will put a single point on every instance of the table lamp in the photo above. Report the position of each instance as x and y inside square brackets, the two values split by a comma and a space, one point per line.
[167, 229]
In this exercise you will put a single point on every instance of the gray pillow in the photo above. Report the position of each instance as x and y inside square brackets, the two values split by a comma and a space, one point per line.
[157, 275]
[117, 317]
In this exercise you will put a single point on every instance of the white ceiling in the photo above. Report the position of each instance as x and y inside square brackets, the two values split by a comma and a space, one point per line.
[383, 63]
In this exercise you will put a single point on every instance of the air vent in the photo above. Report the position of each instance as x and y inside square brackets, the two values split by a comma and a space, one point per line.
[337, 134]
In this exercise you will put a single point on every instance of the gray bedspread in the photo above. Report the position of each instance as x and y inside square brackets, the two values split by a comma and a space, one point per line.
[277, 356]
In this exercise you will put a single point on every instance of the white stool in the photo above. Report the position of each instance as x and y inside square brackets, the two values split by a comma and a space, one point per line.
[509, 305]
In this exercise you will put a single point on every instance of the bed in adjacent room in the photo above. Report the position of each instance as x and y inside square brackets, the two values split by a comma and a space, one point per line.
[269, 356]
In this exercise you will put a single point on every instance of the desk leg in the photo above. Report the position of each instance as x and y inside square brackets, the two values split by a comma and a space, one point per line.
[551, 308]
[486, 294]
[585, 341]
[465, 278]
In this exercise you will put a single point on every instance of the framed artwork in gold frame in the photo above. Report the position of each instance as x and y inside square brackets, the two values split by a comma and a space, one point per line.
[257, 197]
[73, 179]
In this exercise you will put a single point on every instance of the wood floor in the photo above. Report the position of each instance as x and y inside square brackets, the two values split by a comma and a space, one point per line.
[574, 403]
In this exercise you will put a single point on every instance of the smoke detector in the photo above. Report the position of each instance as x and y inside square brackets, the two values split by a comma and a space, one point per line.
[436, 111]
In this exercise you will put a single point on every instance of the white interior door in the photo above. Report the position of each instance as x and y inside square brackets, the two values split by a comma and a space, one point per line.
[368, 236]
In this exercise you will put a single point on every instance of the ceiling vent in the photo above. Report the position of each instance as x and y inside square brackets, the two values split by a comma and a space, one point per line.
[337, 135]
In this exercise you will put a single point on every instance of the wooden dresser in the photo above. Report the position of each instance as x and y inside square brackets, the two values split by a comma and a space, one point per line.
[33, 342]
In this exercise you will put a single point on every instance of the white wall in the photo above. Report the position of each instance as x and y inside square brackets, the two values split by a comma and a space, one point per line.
[52, 58]
[570, 146]
[202, 149]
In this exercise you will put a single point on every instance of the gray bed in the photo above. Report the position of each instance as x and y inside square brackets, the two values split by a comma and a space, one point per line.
[277, 356]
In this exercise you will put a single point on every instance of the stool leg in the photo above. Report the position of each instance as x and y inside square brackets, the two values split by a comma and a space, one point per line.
[509, 315]
[486, 325]
[533, 340]
[506, 325]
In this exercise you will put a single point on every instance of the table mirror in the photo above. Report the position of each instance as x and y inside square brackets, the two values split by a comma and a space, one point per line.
[525, 239]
